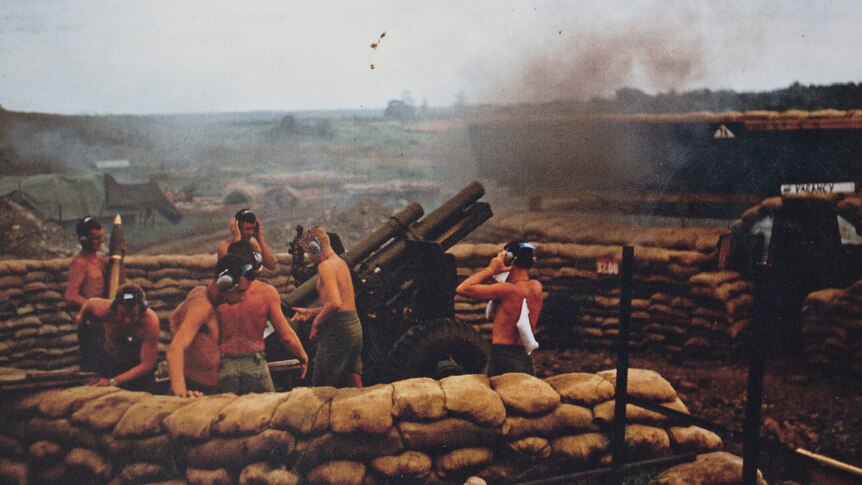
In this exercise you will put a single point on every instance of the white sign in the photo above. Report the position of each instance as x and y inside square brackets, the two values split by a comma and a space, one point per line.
[821, 188]
[607, 266]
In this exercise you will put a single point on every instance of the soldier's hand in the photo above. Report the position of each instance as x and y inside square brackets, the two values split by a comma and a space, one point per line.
[234, 230]
[258, 229]
[101, 382]
[498, 263]
[313, 334]
[301, 314]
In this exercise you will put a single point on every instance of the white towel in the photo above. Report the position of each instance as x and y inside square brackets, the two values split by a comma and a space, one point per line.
[525, 330]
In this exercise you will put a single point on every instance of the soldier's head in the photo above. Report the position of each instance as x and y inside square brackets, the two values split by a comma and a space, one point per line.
[90, 233]
[520, 254]
[246, 222]
[315, 242]
[234, 275]
[244, 250]
[130, 302]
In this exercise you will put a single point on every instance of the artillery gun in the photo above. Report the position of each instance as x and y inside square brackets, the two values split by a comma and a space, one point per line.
[405, 285]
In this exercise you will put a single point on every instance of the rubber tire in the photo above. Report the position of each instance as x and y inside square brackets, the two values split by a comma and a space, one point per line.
[417, 351]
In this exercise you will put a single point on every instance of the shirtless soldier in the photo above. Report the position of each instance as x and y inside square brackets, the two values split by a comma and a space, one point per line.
[131, 338]
[193, 355]
[247, 305]
[245, 226]
[88, 279]
[507, 351]
[335, 324]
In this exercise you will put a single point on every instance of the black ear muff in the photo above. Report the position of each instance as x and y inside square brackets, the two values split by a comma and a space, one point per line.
[314, 248]
[226, 282]
[258, 259]
[83, 231]
[508, 259]
[245, 215]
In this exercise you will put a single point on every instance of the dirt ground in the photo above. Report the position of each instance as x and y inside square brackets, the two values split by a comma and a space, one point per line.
[802, 407]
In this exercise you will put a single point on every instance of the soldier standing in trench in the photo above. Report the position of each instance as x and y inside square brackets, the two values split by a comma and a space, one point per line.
[88, 279]
[335, 324]
[507, 349]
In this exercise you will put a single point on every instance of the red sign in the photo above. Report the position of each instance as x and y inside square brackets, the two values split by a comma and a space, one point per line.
[607, 266]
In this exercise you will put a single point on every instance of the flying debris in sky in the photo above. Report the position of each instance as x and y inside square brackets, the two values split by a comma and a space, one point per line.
[375, 45]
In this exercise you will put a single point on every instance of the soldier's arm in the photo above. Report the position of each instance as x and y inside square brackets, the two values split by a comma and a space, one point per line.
[284, 330]
[474, 286]
[269, 261]
[189, 327]
[149, 351]
[77, 273]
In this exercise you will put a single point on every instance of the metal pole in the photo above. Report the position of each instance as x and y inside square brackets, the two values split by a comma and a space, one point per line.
[756, 364]
[618, 433]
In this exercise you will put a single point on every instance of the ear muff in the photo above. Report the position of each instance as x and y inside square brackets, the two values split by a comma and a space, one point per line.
[226, 281]
[83, 230]
[314, 248]
[522, 251]
[258, 259]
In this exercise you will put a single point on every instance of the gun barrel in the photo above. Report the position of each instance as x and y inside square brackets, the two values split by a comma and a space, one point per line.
[305, 293]
[430, 228]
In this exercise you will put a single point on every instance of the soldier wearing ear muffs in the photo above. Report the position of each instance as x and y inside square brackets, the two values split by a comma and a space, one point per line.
[128, 359]
[245, 226]
[88, 279]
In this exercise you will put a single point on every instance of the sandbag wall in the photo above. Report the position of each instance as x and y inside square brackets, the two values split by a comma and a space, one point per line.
[422, 429]
[36, 331]
[679, 303]
[832, 328]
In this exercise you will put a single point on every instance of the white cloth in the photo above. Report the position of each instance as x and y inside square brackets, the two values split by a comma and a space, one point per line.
[525, 330]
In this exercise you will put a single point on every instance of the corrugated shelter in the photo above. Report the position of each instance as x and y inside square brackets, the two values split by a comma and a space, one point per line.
[135, 197]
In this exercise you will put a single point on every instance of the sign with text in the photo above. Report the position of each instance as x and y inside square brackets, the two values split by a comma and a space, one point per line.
[607, 266]
[819, 188]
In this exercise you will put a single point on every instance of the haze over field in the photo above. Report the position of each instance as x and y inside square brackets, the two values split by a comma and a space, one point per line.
[175, 57]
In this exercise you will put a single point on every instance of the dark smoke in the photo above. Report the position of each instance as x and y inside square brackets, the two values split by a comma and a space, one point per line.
[656, 54]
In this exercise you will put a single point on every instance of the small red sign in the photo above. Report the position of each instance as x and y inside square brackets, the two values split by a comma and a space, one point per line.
[607, 266]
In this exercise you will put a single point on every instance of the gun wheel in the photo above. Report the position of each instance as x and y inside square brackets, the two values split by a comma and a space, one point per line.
[439, 348]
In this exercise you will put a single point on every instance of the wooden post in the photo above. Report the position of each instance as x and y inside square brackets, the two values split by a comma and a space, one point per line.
[618, 430]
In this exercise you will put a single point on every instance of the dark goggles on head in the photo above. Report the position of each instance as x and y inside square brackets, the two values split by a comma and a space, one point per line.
[226, 281]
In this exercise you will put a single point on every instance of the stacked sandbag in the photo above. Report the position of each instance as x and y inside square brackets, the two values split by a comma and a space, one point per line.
[413, 431]
[36, 330]
[832, 328]
[722, 311]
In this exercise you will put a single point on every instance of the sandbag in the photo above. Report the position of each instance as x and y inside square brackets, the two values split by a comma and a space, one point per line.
[339, 472]
[580, 447]
[532, 446]
[447, 433]
[60, 404]
[565, 419]
[142, 472]
[582, 388]
[46, 452]
[195, 420]
[144, 418]
[717, 468]
[462, 461]
[604, 412]
[472, 396]
[647, 440]
[340, 446]
[410, 464]
[103, 413]
[156, 449]
[13, 471]
[645, 384]
[368, 410]
[89, 463]
[418, 399]
[237, 452]
[219, 476]
[10, 446]
[247, 414]
[524, 394]
[263, 473]
[306, 410]
[694, 438]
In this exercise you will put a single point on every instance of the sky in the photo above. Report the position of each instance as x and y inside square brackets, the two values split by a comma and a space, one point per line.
[194, 56]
